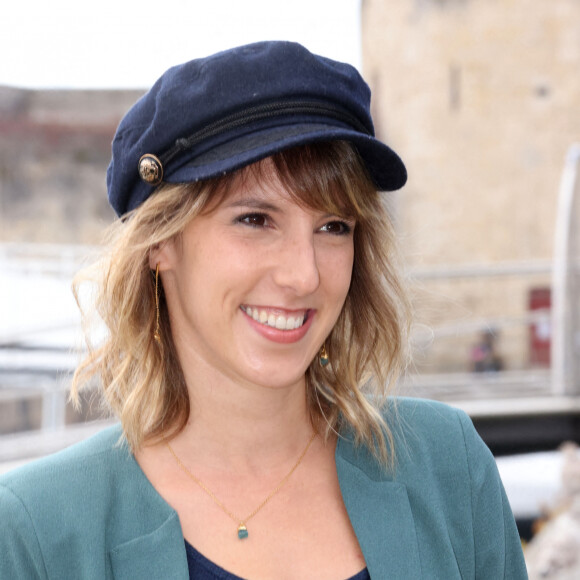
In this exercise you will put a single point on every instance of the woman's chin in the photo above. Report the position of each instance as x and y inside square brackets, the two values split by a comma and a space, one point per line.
[277, 376]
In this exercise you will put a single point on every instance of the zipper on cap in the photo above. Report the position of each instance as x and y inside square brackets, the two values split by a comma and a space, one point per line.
[260, 112]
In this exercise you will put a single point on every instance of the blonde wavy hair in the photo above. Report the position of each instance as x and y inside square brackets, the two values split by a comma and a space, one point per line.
[142, 381]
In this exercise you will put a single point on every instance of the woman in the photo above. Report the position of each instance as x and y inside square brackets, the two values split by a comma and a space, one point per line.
[255, 323]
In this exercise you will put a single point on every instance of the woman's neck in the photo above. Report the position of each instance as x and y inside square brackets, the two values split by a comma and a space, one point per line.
[242, 426]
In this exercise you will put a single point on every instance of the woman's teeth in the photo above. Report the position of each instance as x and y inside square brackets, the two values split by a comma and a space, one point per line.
[278, 321]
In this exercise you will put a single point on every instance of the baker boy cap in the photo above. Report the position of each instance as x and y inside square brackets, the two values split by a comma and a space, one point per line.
[217, 114]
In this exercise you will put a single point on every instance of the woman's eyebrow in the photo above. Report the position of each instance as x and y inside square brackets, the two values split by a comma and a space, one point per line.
[254, 203]
[341, 215]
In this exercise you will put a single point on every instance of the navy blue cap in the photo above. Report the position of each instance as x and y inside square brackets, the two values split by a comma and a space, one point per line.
[217, 114]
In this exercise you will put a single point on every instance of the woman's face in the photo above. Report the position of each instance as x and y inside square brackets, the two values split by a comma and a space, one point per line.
[255, 286]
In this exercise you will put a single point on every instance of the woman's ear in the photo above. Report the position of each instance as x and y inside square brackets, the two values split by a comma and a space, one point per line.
[161, 254]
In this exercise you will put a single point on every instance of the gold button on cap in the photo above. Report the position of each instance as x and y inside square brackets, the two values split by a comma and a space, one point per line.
[150, 169]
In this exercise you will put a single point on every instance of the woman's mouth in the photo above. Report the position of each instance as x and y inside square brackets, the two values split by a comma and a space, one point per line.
[275, 318]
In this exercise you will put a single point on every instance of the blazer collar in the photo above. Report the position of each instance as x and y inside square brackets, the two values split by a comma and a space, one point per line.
[152, 545]
[156, 555]
[380, 513]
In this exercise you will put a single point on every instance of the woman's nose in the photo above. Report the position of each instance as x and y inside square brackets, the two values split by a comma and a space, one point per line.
[296, 266]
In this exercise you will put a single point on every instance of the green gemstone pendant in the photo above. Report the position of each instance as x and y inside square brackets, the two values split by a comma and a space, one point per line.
[242, 532]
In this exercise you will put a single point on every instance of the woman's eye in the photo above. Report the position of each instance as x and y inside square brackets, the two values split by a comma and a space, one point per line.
[337, 228]
[256, 220]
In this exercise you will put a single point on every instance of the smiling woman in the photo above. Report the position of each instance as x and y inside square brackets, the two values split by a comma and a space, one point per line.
[257, 325]
[287, 226]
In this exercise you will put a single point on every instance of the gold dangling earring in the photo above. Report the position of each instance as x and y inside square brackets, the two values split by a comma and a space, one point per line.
[156, 334]
[323, 357]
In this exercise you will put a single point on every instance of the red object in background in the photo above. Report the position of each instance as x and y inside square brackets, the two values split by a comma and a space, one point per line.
[540, 299]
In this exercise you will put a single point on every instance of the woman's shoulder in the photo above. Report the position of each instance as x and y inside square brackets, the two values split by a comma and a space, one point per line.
[425, 430]
[444, 479]
[426, 422]
[425, 413]
[76, 477]
[70, 508]
[425, 433]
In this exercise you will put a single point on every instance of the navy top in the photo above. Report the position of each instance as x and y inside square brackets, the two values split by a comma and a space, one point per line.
[200, 568]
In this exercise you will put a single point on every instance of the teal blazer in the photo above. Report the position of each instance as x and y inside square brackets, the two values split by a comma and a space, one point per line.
[89, 512]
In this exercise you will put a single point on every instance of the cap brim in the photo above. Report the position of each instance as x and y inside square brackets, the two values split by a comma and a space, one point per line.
[384, 166]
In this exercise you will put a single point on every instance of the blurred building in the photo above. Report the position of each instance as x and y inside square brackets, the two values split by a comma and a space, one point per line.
[482, 100]
[55, 146]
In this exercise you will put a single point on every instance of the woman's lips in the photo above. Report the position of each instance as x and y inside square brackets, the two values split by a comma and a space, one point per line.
[284, 326]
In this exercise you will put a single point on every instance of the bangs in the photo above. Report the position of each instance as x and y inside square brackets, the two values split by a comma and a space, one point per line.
[327, 176]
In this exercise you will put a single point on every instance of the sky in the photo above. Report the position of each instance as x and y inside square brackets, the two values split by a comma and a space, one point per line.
[129, 44]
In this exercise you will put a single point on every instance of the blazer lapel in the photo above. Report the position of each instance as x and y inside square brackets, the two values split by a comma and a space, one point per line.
[157, 555]
[380, 514]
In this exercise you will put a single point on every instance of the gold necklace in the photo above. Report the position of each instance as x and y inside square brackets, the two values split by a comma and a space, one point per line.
[242, 529]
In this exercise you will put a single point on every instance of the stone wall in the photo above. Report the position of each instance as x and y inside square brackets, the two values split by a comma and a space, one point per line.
[481, 99]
